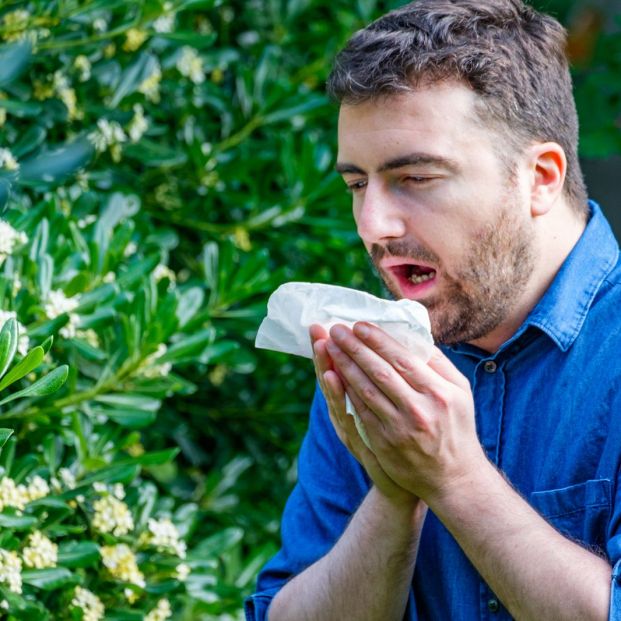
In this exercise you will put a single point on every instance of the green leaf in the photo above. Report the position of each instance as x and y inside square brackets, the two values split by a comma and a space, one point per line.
[130, 400]
[14, 59]
[32, 139]
[134, 419]
[18, 522]
[138, 71]
[78, 554]
[5, 194]
[8, 344]
[49, 579]
[30, 362]
[47, 385]
[156, 458]
[113, 474]
[56, 165]
[5, 434]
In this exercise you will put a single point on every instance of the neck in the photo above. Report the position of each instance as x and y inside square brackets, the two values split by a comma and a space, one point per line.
[556, 234]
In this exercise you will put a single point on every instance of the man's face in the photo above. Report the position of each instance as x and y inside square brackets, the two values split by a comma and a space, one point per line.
[443, 219]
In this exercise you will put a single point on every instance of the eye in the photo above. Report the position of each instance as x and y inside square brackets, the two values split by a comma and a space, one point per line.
[356, 186]
[413, 179]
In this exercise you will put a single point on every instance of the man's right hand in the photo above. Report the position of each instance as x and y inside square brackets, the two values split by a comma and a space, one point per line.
[333, 389]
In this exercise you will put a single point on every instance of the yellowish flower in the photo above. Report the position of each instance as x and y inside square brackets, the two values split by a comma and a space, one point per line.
[15, 24]
[7, 160]
[11, 570]
[121, 563]
[134, 38]
[43, 90]
[83, 65]
[190, 65]
[112, 516]
[150, 86]
[163, 535]
[40, 552]
[89, 603]
[37, 488]
[12, 495]
[182, 571]
[161, 612]
[138, 125]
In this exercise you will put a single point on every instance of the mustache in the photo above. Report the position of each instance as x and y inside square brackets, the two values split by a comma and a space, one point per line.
[416, 252]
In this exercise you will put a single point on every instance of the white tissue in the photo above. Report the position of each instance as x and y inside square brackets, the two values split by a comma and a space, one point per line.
[295, 306]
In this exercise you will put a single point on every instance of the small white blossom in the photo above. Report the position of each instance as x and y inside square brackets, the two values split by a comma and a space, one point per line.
[67, 477]
[130, 249]
[182, 571]
[7, 160]
[58, 303]
[108, 135]
[164, 23]
[112, 516]
[89, 603]
[161, 612]
[37, 488]
[11, 570]
[83, 65]
[13, 495]
[163, 535]
[10, 239]
[87, 221]
[163, 271]
[138, 125]
[40, 552]
[100, 24]
[120, 561]
[150, 86]
[190, 65]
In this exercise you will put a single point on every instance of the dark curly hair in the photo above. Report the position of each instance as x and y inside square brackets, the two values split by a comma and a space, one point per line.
[512, 56]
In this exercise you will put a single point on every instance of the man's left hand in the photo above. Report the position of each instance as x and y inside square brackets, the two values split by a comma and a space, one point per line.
[419, 417]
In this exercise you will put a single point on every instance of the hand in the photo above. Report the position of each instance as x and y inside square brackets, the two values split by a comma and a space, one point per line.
[419, 417]
[334, 390]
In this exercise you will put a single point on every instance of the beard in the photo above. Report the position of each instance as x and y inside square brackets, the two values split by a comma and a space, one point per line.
[491, 276]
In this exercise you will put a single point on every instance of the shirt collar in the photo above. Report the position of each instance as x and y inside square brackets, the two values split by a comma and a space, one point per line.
[563, 308]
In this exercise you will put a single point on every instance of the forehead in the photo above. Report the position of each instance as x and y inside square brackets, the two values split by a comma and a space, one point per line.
[440, 120]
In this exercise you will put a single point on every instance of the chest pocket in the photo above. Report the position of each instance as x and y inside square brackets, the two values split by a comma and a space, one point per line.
[580, 512]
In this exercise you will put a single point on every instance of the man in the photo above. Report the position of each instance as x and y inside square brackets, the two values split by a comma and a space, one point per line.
[491, 487]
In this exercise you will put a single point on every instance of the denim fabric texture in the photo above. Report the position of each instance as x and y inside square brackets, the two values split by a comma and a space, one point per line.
[548, 414]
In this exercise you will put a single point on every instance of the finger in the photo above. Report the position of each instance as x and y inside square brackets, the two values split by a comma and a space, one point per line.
[321, 358]
[368, 392]
[446, 369]
[317, 332]
[410, 367]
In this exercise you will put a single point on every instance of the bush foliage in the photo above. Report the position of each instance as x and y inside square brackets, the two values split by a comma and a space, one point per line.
[164, 166]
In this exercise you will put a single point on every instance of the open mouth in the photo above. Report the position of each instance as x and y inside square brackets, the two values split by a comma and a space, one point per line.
[414, 280]
[416, 274]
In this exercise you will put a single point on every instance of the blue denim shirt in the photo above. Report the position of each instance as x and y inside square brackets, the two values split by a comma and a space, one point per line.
[548, 414]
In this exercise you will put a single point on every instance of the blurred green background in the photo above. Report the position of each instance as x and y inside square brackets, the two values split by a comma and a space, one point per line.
[171, 163]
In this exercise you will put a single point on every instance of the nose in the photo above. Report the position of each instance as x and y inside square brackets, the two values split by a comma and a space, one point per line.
[378, 216]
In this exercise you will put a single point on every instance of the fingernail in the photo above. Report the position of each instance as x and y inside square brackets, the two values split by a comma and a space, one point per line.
[362, 330]
[338, 331]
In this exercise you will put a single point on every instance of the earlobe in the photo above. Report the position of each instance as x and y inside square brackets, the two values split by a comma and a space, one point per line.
[549, 167]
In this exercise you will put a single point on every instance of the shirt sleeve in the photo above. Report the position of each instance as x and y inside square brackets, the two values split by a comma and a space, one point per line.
[330, 487]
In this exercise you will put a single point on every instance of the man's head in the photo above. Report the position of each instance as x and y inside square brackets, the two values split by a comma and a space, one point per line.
[511, 56]
[456, 133]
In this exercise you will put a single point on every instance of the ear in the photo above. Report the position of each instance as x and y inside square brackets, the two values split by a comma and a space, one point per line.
[548, 166]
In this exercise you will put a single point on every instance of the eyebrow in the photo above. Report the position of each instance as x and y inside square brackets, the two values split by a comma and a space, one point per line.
[413, 159]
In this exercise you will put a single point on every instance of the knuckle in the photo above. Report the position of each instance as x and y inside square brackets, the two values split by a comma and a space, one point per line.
[368, 393]
[382, 375]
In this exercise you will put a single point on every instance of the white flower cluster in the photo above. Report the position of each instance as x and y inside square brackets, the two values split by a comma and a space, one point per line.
[163, 535]
[57, 304]
[83, 65]
[11, 570]
[112, 516]
[23, 341]
[150, 86]
[89, 603]
[121, 563]
[190, 65]
[63, 90]
[163, 271]
[10, 239]
[108, 135]
[40, 552]
[161, 612]
[7, 160]
[138, 125]
[18, 496]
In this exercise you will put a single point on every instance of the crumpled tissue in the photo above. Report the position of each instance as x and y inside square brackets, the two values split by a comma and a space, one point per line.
[295, 306]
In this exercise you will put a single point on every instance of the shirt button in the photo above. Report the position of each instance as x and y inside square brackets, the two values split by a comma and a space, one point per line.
[493, 605]
[490, 366]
